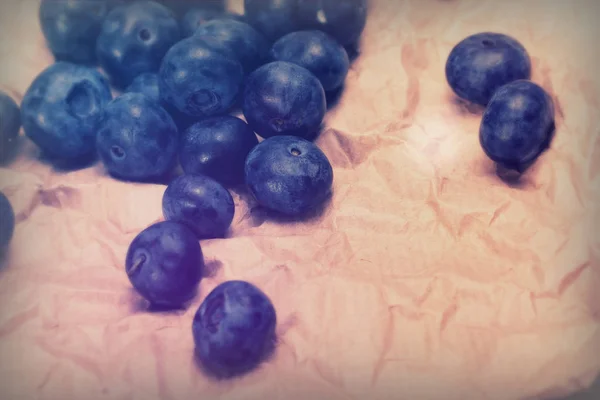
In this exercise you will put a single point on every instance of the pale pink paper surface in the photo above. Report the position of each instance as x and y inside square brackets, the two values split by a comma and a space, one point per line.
[427, 277]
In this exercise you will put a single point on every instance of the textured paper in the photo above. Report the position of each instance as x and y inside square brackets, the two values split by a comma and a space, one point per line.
[426, 277]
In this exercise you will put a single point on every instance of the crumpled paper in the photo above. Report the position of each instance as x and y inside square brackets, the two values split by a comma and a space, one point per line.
[426, 277]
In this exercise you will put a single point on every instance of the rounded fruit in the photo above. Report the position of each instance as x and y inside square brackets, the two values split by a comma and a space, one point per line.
[165, 264]
[274, 18]
[217, 147]
[200, 203]
[7, 221]
[137, 139]
[134, 39]
[10, 123]
[289, 175]
[234, 329]
[281, 98]
[482, 63]
[196, 17]
[517, 124]
[61, 110]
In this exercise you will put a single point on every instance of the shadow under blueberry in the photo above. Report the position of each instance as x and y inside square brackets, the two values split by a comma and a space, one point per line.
[261, 214]
[220, 373]
[465, 107]
[333, 97]
[164, 179]
[68, 165]
[353, 51]
[140, 305]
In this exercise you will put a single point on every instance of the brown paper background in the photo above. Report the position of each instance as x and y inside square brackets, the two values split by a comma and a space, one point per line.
[427, 277]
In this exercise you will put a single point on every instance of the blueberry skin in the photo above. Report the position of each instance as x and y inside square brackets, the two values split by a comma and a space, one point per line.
[137, 139]
[10, 123]
[234, 329]
[274, 18]
[72, 27]
[201, 203]
[196, 17]
[289, 175]
[316, 51]
[7, 221]
[344, 20]
[281, 98]
[517, 124]
[199, 80]
[134, 39]
[481, 63]
[61, 110]
[217, 147]
[250, 46]
[180, 7]
[165, 264]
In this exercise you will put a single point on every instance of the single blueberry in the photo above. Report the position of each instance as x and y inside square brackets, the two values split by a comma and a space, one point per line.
[199, 80]
[10, 123]
[316, 51]
[234, 329]
[72, 27]
[180, 7]
[61, 110]
[517, 124]
[481, 63]
[7, 221]
[201, 203]
[344, 20]
[250, 46]
[165, 264]
[289, 175]
[137, 139]
[274, 18]
[134, 39]
[217, 147]
[281, 98]
[196, 17]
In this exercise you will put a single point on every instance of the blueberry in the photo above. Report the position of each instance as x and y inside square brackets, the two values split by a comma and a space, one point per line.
[282, 98]
[137, 139]
[234, 329]
[61, 109]
[274, 18]
[289, 175]
[72, 27]
[317, 52]
[7, 221]
[250, 46]
[517, 124]
[198, 79]
[196, 17]
[134, 39]
[217, 147]
[180, 7]
[10, 123]
[481, 63]
[165, 264]
[344, 20]
[201, 203]
[147, 84]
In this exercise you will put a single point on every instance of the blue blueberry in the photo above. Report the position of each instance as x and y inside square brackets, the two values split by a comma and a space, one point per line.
[481, 63]
[234, 329]
[289, 175]
[274, 18]
[7, 221]
[61, 109]
[316, 51]
[72, 27]
[517, 124]
[196, 17]
[180, 7]
[137, 139]
[201, 203]
[282, 98]
[165, 264]
[10, 123]
[344, 20]
[199, 80]
[217, 147]
[134, 39]
[250, 46]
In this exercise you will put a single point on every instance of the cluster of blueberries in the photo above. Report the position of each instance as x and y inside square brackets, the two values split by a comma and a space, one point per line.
[181, 69]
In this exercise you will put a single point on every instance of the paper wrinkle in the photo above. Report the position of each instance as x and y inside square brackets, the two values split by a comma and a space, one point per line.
[426, 276]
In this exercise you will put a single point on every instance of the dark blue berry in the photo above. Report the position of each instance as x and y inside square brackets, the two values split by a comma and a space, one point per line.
[274, 18]
[10, 123]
